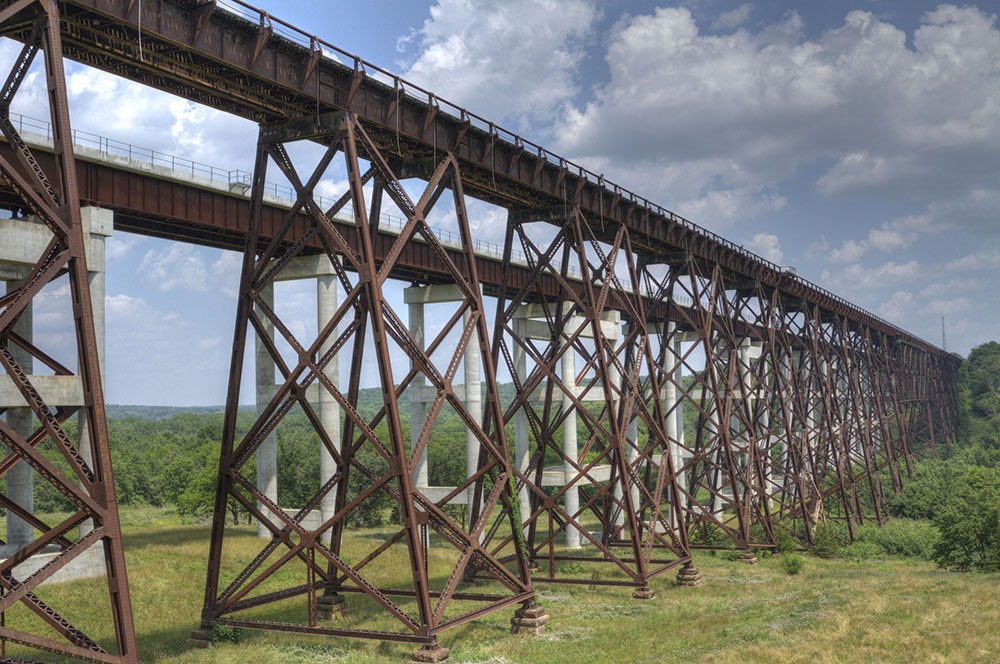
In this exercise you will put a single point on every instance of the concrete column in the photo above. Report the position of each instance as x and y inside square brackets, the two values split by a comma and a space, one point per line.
[745, 377]
[715, 420]
[767, 438]
[633, 453]
[673, 405]
[20, 478]
[474, 405]
[267, 453]
[572, 494]
[521, 449]
[418, 408]
[98, 225]
[329, 409]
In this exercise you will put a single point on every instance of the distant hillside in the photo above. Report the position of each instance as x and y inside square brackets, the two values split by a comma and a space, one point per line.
[115, 411]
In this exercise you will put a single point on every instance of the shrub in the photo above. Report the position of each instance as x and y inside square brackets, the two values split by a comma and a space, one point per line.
[908, 538]
[785, 541]
[225, 634]
[791, 563]
[969, 522]
[824, 542]
[860, 551]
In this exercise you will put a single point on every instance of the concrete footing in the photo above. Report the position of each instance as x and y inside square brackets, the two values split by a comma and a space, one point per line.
[690, 576]
[748, 557]
[331, 607]
[530, 619]
[87, 565]
[200, 638]
[643, 593]
[430, 652]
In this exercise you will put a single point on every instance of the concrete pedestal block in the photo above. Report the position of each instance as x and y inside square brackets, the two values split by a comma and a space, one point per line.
[748, 557]
[331, 607]
[200, 638]
[87, 565]
[690, 576]
[430, 652]
[643, 593]
[530, 619]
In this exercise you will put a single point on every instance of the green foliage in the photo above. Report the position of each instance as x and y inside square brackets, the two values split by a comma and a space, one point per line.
[220, 633]
[785, 541]
[960, 495]
[979, 397]
[932, 482]
[792, 563]
[969, 522]
[824, 542]
[908, 538]
[861, 551]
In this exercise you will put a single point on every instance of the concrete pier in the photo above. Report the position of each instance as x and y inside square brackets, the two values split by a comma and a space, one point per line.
[21, 243]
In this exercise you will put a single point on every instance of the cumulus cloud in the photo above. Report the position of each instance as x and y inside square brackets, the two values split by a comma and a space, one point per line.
[857, 278]
[749, 108]
[849, 252]
[733, 19]
[488, 56]
[986, 259]
[120, 245]
[767, 246]
[896, 306]
[185, 267]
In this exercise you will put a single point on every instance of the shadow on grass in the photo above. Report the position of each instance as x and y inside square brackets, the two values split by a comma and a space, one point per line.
[167, 536]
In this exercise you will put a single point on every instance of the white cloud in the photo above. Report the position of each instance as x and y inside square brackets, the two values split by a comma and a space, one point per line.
[178, 266]
[733, 19]
[120, 245]
[750, 108]
[181, 266]
[849, 252]
[985, 259]
[766, 245]
[855, 279]
[897, 305]
[721, 207]
[513, 59]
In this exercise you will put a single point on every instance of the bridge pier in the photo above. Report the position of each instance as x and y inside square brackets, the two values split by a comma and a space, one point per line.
[22, 240]
[417, 298]
[306, 268]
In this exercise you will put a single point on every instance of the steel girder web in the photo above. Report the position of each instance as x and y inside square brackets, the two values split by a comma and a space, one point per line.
[401, 588]
[33, 615]
[722, 478]
[595, 476]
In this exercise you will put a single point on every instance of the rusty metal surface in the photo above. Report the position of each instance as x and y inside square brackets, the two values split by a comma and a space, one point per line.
[803, 404]
[51, 195]
[366, 323]
[241, 64]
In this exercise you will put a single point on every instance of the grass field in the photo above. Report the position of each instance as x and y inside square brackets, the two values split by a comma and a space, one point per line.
[833, 611]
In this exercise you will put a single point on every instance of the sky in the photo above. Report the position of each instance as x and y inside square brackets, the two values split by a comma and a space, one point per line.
[858, 142]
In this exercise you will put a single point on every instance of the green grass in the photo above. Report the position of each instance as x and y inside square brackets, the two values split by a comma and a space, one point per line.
[832, 611]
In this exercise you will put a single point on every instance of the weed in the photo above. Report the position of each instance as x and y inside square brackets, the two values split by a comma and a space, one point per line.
[791, 563]
[225, 634]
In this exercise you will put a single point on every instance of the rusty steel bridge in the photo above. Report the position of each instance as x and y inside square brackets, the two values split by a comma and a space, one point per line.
[610, 315]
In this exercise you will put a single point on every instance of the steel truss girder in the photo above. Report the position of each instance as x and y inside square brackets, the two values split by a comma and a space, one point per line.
[89, 483]
[364, 317]
[628, 509]
[800, 434]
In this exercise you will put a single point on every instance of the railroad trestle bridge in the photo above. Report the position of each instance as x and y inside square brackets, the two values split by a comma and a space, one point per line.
[569, 357]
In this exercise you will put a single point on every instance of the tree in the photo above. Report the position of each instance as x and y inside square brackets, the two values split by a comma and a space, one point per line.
[969, 521]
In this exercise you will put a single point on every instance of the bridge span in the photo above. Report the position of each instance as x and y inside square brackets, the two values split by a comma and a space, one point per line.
[610, 316]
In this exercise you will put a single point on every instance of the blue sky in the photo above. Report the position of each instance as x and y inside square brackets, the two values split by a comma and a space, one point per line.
[858, 142]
